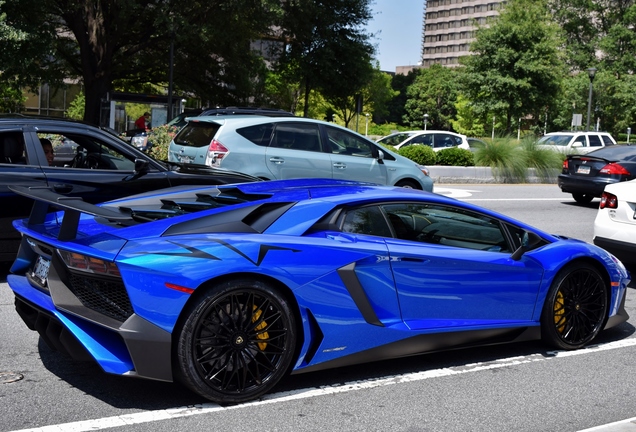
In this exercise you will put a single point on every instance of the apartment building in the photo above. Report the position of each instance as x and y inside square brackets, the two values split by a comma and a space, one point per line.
[449, 28]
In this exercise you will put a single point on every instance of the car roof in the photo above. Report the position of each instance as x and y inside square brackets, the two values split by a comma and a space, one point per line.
[269, 112]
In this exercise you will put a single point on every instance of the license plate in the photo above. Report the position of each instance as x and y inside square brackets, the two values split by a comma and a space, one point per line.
[41, 269]
[185, 159]
[583, 169]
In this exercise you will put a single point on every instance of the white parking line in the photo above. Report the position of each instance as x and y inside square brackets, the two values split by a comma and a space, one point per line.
[208, 408]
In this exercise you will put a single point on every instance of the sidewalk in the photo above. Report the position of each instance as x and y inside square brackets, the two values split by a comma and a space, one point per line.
[474, 174]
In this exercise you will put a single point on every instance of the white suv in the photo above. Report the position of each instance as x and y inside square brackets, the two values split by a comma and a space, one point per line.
[576, 142]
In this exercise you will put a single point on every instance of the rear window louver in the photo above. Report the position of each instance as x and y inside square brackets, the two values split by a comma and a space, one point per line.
[171, 208]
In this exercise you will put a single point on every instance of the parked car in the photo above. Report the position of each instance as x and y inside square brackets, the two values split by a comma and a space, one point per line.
[141, 138]
[229, 288]
[90, 163]
[437, 140]
[275, 148]
[586, 176]
[575, 142]
[615, 224]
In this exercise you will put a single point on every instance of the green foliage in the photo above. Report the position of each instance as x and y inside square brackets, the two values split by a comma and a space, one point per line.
[466, 121]
[11, 98]
[505, 159]
[547, 163]
[516, 68]
[455, 156]
[328, 49]
[160, 137]
[384, 129]
[421, 154]
[75, 110]
[434, 92]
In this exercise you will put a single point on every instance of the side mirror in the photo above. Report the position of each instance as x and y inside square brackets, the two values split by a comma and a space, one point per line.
[141, 167]
[380, 156]
[529, 241]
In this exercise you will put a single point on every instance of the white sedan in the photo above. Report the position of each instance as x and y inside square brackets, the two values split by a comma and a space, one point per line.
[436, 139]
[615, 223]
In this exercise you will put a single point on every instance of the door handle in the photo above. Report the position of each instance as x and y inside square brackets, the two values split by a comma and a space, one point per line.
[277, 160]
[339, 165]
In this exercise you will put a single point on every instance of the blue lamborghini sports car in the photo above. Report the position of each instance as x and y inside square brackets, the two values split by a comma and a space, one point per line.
[230, 288]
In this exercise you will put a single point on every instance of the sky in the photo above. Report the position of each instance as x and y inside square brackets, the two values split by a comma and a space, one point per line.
[398, 28]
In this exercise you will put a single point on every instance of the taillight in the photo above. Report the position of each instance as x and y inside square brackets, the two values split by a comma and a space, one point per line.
[609, 200]
[88, 264]
[565, 165]
[216, 152]
[614, 169]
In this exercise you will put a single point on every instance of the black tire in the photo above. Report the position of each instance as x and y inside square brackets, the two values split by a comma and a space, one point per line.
[582, 198]
[575, 309]
[409, 184]
[236, 342]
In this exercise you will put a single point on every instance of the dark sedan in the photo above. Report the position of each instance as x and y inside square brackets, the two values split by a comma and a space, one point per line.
[586, 175]
[92, 164]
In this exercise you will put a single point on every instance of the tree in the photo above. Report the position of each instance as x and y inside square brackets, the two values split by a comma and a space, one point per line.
[127, 43]
[434, 92]
[327, 49]
[395, 107]
[516, 68]
[372, 98]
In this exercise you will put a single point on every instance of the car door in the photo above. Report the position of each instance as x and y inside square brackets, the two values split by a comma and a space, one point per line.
[355, 158]
[101, 170]
[16, 168]
[295, 151]
[452, 268]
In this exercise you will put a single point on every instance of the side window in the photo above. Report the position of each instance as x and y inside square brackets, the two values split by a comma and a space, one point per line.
[342, 142]
[425, 139]
[607, 140]
[366, 220]
[12, 148]
[445, 225]
[445, 140]
[85, 152]
[297, 136]
[579, 141]
[595, 141]
[258, 134]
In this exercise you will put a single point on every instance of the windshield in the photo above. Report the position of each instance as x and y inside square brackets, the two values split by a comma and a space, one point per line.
[557, 140]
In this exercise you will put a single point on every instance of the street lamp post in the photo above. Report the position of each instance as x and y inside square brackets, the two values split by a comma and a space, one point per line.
[366, 126]
[425, 120]
[591, 72]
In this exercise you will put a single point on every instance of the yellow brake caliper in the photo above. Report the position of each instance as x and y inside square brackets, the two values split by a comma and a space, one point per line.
[559, 311]
[255, 316]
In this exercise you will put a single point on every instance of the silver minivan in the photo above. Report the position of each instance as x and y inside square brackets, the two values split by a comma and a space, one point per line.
[292, 147]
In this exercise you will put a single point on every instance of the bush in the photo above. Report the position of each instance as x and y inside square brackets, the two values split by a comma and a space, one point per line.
[547, 163]
[420, 154]
[160, 137]
[456, 157]
[504, 157]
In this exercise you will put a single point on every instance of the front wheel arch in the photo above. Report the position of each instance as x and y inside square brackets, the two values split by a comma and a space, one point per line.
[409, 184]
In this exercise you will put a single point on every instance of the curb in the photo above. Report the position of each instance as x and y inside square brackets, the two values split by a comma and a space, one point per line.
[475, 174]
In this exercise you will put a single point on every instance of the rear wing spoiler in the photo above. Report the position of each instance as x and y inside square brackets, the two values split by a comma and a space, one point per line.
[46, 201]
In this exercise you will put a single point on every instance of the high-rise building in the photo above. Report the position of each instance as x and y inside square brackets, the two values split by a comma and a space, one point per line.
[449, 28]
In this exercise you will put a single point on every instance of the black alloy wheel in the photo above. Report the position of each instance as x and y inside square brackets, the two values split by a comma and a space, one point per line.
[237, 342]
[575, 308]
